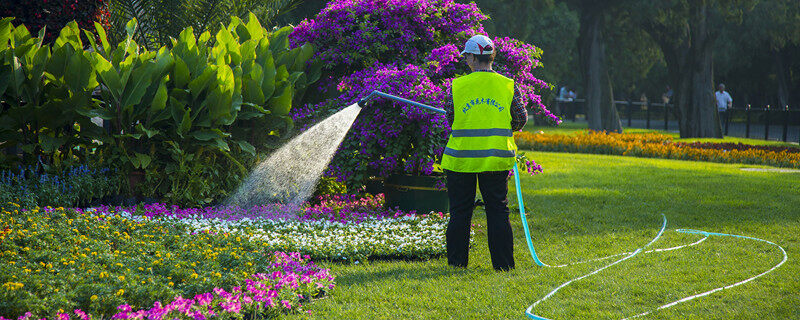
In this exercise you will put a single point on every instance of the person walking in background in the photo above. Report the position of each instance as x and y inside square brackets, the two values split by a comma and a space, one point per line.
[667, 96]
[487, 107]
[724, 102]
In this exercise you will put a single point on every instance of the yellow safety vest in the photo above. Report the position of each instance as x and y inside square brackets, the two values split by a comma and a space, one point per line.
[481, 139]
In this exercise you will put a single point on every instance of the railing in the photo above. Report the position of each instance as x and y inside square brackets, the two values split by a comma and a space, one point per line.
[752, 118]
[569, 109]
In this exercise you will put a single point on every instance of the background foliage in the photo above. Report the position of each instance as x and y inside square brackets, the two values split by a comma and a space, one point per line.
[190, 118]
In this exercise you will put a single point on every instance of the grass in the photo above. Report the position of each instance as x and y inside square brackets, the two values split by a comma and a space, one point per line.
[589, 206]
[570, 128]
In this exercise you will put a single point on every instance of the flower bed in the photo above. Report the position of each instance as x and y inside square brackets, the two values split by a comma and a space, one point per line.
[339, 228]
[104, 265]
[653, 145]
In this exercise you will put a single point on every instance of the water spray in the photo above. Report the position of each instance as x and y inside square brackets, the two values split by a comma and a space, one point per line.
[529, 312]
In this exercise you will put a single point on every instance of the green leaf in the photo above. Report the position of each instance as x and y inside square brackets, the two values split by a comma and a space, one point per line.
[254, 28]
[79, 74]
[141, 160]
[70, 34]
[206, 135]
[101, 33]
[50, 144]
[281, 105]
[246, 147]
[148, 132]
[160, 98]
[130, 27]
[180, 73]
[108, 75]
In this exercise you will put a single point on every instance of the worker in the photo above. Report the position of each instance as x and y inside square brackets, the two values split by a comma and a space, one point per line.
[486, 108]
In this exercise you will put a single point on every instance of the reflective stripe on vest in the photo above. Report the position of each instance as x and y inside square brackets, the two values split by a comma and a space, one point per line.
[479, 153]
[482, 133]
[481, 138]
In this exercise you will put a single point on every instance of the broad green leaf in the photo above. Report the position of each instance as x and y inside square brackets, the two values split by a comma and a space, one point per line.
[246, 147]
[50, 144]
[160, 98]
[130, 27]
[108, 76]
[79, 74]
[206, 135]
[186, 38]
[254, 27]
[142, 160]
[6, 29]
[69, 34]
[140, 79]
[204, 37]
[148, 132]
[222, 145]
[279, 40]
[180, 73]
[17, 75]
[186, 123]
[101, 33]
[197, 85]
[280, 105]
[305, 53]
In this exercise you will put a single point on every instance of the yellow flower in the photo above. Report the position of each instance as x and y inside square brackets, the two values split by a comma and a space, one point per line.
[194, 275]
[121, 278]
[120, 292]
[93, 297]
[171, 283]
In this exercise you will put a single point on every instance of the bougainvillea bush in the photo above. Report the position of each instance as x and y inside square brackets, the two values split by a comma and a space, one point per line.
[406, 48]
[110, 265]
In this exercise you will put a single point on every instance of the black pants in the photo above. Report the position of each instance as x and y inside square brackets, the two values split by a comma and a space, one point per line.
[461, 192]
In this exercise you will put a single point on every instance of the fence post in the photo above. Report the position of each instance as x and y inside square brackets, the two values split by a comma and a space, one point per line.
[630, 111]
[666, 116]
[647, 105]
[574, 109]
[747, 121]
[786, 123]
[766, 123]
[728, 113]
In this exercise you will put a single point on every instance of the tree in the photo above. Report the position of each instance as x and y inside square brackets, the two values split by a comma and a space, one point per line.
[600, 110]
[685, 31]
[763, 45]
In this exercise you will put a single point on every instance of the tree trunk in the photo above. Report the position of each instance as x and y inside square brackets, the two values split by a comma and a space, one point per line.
[782, 76]
[690, 66]
[601, 113]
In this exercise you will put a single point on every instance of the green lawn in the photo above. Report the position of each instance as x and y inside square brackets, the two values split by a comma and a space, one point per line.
[568, 127]
[589, 206]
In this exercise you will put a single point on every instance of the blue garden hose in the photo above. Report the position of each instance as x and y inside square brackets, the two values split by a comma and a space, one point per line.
[516, 169]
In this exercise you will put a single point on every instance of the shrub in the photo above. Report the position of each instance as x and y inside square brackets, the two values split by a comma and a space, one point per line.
[191, 117]
[406, 48]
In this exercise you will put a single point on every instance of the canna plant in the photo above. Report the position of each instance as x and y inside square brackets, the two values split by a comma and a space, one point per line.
[46, 93]
[189, 118]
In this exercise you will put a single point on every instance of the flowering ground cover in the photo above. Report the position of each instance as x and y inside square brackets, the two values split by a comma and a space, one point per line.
[139, 262]
[345, 227]
[656, 145]
[102, 264]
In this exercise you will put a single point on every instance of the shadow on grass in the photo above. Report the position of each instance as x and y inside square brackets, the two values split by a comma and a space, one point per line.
[409, 272]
